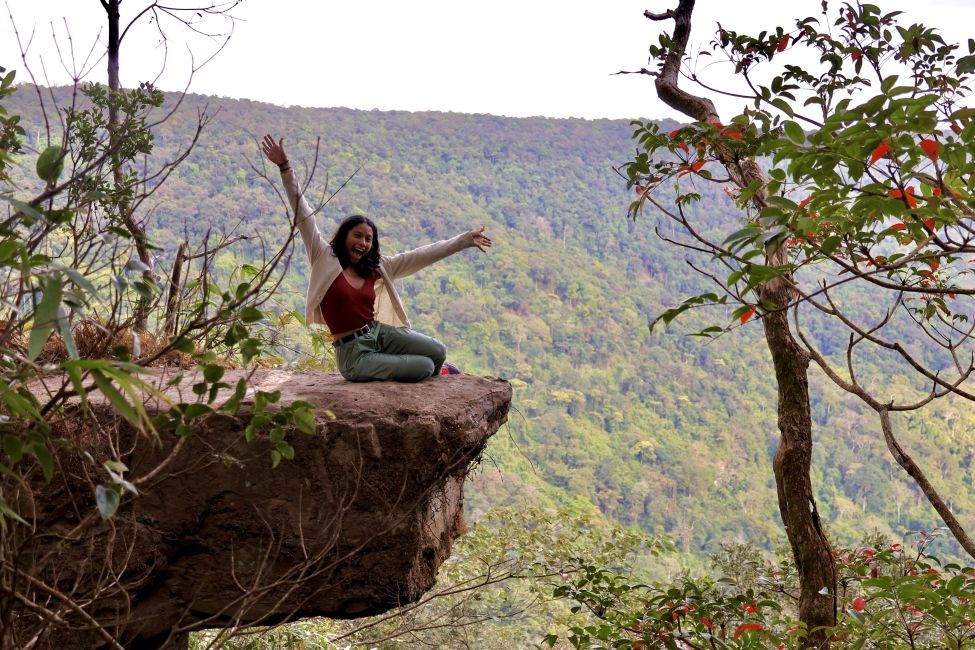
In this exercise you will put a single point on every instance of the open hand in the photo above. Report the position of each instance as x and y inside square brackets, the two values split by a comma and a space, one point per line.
[274, 150]
[479, 239]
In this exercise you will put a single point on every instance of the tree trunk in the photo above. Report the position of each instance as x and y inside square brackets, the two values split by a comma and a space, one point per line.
[791, 464]
[175, 286]
[140, 316]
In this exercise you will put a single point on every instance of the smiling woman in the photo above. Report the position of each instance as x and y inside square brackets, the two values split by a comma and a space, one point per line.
[351, 290]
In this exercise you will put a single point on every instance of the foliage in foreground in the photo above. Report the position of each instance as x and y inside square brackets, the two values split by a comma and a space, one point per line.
[77, 304]
[495, 591]
[529, 579]
[891, 596]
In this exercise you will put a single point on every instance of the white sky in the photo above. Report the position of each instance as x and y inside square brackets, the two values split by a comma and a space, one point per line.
[506, 57]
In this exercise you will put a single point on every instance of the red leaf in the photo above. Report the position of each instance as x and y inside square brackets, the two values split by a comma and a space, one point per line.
[855, 55]
[930, 148]
[951, 295]
[640, 189]
[879, 152]
[929, 224]
[859, 604]
[783, 43]
[937, 191]
[732, 132]
[683, 145]
[803, 203]
[749, 608]
[706, 622]
[745, 627]
[747, 315]
[697, 165]
[909, 197]
[673, 134]
[956, 128]
[898, 226]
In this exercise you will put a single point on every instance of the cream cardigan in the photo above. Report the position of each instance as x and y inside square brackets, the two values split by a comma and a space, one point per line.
[325, 265]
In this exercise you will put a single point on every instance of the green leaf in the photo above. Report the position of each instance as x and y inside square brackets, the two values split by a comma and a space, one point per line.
[305, 420]
[50, 164]
[7, 512]
[966, 65]
[31, 214]
[783, 106]
[263, 398]
[213, 373]
[183, 344]
[44, 459]
[830, 244]
[794, 132]
[9, 248]
[232, 405]
[116, 466]
[116, 398]
[81, 281]
[107, 500]
[20, 405]
[251, 314]
[13, 448]
[196, 410]
[65, 328]
[45, 316]
[287, 451]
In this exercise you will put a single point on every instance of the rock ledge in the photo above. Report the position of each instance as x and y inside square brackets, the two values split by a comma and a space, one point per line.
[358, 523]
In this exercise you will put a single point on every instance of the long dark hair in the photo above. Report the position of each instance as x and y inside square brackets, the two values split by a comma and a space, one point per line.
[369, 262]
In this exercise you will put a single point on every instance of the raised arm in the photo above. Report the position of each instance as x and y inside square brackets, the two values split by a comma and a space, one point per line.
[304, 217]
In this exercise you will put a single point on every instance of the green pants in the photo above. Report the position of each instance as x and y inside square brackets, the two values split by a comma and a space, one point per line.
[390, 353]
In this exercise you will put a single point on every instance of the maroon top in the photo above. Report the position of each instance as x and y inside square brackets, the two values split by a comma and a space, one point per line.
[346, 308]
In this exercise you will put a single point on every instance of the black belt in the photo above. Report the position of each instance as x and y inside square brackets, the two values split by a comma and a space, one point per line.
[362, 331]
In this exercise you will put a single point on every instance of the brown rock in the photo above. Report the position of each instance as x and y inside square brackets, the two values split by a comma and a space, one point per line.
[356, 524]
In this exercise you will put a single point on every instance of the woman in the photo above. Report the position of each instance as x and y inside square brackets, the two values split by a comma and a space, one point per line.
[351, 290]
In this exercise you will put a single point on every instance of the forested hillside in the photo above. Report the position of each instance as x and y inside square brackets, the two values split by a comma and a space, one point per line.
[663, 431]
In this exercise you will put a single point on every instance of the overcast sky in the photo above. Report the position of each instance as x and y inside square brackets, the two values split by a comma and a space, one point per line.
[505, 57]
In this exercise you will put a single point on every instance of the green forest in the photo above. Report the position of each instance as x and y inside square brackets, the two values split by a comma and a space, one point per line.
[664, 431]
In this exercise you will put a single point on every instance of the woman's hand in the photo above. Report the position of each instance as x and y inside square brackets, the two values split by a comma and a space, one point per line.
[274, 151]
[479, 239]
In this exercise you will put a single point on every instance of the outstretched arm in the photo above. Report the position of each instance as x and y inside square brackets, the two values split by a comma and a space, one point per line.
[410, 262]
[304, 217]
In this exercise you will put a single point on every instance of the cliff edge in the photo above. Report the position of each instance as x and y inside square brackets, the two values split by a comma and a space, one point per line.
[356, 524]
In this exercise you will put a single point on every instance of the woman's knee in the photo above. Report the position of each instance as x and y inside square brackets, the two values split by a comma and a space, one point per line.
[418, 367]
[439, 353]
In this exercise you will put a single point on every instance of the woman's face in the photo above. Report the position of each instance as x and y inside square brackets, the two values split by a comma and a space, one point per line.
[358, 242]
